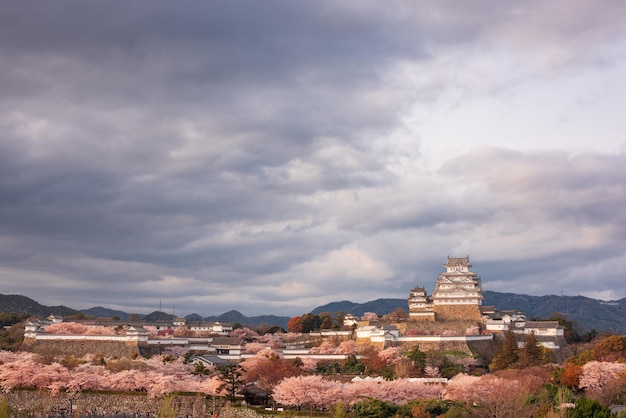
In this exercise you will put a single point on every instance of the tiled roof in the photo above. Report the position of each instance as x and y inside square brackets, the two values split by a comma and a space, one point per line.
[458, 261]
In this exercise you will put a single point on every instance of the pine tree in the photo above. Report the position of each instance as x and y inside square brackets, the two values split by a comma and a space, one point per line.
[531, 353]
[231, 377]
[507, 353]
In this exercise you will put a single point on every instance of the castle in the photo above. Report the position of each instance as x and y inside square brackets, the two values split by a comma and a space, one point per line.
[458, 295]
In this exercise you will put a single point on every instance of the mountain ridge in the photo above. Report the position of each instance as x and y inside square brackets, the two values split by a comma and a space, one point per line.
[587, 313]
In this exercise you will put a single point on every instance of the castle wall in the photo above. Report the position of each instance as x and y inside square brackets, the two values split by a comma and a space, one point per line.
[42, 403]
[457, 312]
[426, 346]
[80, 348]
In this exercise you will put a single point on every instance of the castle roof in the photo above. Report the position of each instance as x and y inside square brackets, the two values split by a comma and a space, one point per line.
[458, 261]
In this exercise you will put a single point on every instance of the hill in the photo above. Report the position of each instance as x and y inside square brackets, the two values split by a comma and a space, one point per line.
[253, 321]
[100, 312]
[23, 304]
[378, 306]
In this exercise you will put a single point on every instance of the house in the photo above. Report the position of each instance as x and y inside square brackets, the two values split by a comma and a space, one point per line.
[209, 360]
[211, 327]
[350, 320]
[227, 346]
[378, 336]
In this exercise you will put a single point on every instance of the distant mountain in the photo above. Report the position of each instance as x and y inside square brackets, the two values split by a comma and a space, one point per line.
[100, 312]
[22, 304]
[378, 306]
[587, 313]
[158, 316]
[253, 321]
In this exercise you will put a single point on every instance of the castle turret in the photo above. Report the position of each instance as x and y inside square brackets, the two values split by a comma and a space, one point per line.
[420, 305]
[458, 293]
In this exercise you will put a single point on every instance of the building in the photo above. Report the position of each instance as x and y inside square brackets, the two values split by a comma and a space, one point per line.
[458, 295]
[420, 305]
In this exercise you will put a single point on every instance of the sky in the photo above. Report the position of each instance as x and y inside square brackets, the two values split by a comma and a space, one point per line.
[271, 157]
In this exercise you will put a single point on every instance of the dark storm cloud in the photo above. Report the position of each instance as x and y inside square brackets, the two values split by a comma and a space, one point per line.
[247, 155]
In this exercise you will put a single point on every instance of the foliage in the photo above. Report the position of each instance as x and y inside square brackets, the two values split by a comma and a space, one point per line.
[448, 369]
[570, 377]
[75, 328]
[295, 324]
[267, 369]
[21, 370]
[531, 354]
[200, 369]
[588, 408]
[598, 374]
[581, 358]
[507, 352]
[374, 408]
[8, 319]
[11, 338]
[311, 390]
[352, 365]
[417, 357]
[427, 408]
[611, 348]
[231, 378]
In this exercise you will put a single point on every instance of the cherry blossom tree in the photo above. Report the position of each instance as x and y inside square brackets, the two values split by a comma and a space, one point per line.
[308, 364]
[369, 316]
[153, 376]
[347, 347]
[244, 333]
[254, 348]
[267, 368]
[391, 355]
[74, 328]
[598, 374]
[313, 390]
[326, 347]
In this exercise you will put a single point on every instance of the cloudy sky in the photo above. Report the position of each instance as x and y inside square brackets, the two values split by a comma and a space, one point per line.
[275, 156]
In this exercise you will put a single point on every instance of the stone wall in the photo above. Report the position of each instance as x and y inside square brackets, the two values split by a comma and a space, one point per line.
[440, 328]
[42, 403]
[426, 346]
[80, 348]
[457, 312]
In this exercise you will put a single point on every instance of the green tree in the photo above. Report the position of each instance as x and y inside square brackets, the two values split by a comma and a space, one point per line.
[352, 364]
[339, 317]
[531, 354]
[326, 321]
[588, 408]
[311, 322]
[507, 353]
[200, 369]
[449, 369]
[12, 337]
[374, 408]
[418, 357]
[232, 379]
